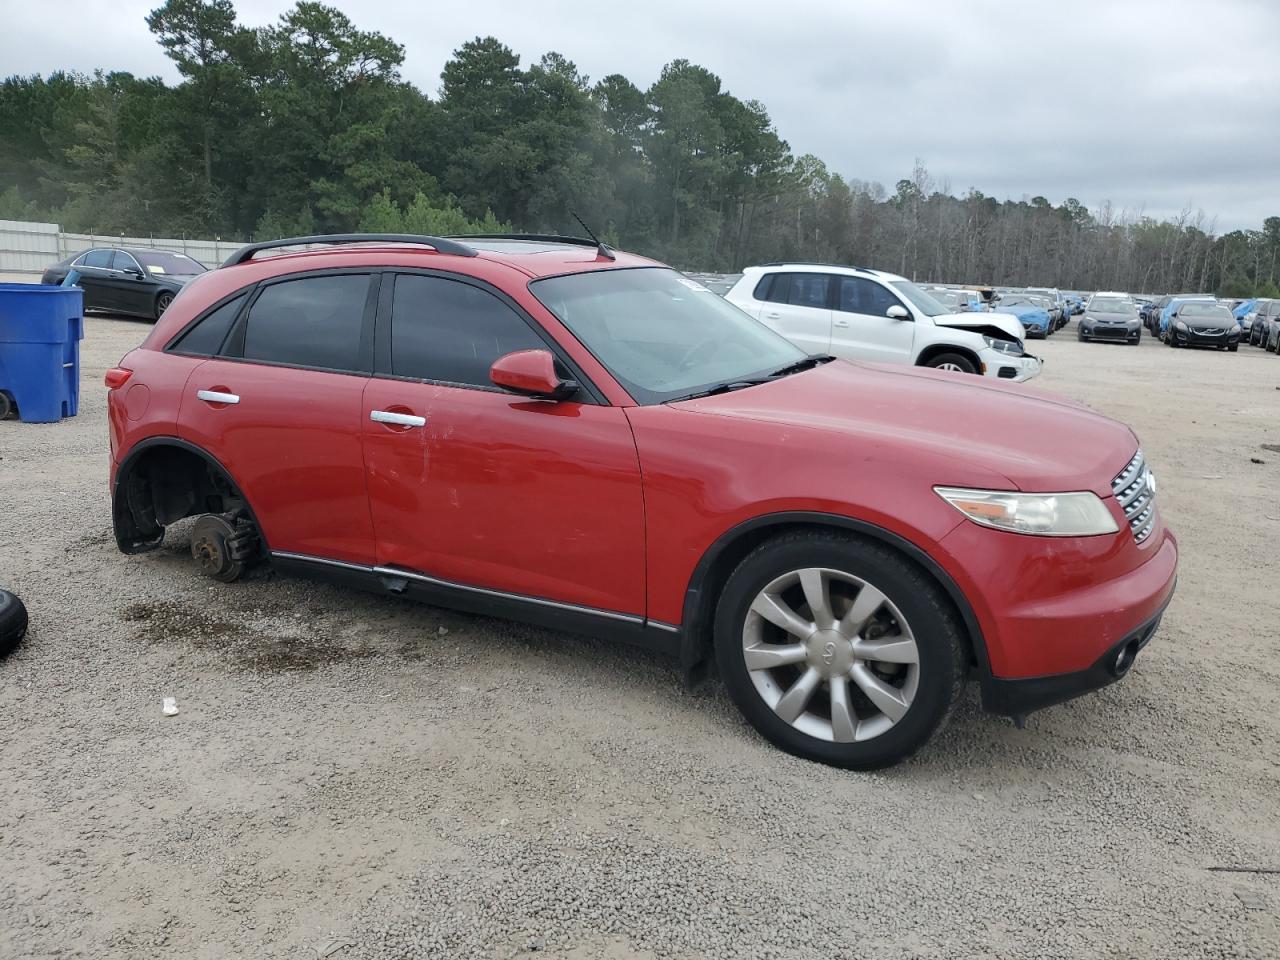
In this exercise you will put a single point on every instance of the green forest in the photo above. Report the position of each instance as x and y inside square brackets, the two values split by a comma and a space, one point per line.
[306, 126]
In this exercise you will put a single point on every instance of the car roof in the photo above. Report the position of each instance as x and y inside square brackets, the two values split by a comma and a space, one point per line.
[842, 269]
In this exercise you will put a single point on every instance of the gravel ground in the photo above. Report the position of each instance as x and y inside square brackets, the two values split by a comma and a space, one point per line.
[362, 775]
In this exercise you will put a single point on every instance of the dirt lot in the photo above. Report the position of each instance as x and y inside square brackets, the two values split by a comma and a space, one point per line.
[364, 775]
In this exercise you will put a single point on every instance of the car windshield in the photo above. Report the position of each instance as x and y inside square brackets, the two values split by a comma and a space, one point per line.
[662, 335]
[1016, 299]
[1111, 305]
[947, 298]
[177, 264]
[1205, 310]
[922, 301]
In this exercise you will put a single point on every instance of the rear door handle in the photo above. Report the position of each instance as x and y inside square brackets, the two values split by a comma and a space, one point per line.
[842, 323]
[398, 419]
[774, 316]
[215, 396]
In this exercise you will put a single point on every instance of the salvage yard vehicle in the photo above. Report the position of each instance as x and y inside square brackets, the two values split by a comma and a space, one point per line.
[1167, 311]
[861, 314]
[1110, 317]
[549, 430]
[1032, 312]
[1200, 323]
[1266, 324]
[129, 280]
[961, 301]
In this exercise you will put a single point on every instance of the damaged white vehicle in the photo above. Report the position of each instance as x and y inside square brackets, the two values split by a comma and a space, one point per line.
[870, 315]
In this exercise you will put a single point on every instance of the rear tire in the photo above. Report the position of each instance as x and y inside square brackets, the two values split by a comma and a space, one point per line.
[213, 544]
[955, 362]
[901, 644]
[7, 408]
[13, 622]
[162, 303]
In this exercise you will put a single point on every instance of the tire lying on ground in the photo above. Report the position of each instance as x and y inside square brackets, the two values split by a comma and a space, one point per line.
[13, 622]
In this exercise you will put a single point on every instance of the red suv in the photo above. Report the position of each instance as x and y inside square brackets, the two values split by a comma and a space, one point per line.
[544, 429]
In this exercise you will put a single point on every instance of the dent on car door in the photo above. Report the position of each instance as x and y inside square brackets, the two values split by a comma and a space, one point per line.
[479, 487]
[863, 329]
[280, 407]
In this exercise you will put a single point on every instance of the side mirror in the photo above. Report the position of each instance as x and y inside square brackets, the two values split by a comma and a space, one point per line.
[133, 272]
[532, 373]
[897, 312]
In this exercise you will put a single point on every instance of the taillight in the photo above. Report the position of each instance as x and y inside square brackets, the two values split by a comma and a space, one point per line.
[117, 377]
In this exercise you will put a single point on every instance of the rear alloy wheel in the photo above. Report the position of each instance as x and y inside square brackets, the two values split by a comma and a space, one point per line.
[839, 650]
[955, 362]
[162, 303]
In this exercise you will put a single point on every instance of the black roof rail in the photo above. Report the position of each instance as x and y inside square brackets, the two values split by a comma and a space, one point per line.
[604, 248]
[810, 263]
[440, 244]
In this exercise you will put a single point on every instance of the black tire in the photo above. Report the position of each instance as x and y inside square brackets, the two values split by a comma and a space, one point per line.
[211, 549]
[962, 363]
[943, 653]
[7, 409]
[1137, 340]
[162, 303]
[1080, 336]
[1233, 348]
[13, 622]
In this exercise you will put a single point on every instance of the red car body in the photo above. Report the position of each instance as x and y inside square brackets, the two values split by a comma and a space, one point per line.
[624, 517]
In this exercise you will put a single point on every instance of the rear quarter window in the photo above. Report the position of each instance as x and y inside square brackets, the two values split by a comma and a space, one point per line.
[206, 337]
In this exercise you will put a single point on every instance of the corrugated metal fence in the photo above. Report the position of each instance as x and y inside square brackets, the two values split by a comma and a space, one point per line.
[27, 248]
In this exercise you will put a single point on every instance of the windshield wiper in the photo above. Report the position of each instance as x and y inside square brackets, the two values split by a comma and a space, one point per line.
[808, 363]
[727, 386]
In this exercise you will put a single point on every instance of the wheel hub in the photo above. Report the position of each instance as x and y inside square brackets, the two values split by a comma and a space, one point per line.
[830, 653]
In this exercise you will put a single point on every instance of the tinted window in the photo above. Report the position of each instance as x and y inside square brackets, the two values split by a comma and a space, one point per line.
[205, 338]
[122, 261]
[451, 331]
[859, 295]
[179, 264]
[312, 322]
[809, 290]
[98, 258]
[764, 287]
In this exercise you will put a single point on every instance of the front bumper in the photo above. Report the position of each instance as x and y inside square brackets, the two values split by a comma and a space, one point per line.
[1192, 338]
[1107, 331]
[1019, 697]
[1005, 367]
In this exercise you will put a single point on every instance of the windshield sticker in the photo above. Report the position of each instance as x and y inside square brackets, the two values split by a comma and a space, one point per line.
[155, 269]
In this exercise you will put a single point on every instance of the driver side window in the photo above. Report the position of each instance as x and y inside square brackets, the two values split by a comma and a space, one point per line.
[860, 295]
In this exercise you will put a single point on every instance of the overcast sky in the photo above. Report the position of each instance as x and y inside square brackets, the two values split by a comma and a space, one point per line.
[1153, 105]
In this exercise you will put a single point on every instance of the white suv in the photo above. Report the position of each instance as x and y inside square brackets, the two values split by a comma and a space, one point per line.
[870, 315]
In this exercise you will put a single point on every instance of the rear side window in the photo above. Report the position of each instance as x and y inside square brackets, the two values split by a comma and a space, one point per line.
[809, 290]
[860, 295]
[206, 337]
[98, 258]
[309, 322]
[450, 331]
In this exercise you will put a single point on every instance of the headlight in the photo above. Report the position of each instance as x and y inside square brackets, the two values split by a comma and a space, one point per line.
[1181, 326]
[1041, 514]
[1012, 347]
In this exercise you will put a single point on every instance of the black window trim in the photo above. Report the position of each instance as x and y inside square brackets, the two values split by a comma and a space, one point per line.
[589, 394]
[174, 342]
[233, 347]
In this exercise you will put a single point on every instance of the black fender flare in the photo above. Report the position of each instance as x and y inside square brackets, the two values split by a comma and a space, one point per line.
[693, 647]
[121, 512]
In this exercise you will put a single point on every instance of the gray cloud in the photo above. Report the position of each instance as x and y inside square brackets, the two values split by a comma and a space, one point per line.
[1154, 105]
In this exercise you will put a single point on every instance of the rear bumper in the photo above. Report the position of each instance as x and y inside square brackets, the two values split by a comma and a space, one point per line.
[1022, 696]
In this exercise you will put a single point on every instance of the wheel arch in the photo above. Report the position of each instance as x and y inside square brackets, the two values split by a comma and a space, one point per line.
[724, 555]
[141, 509]
[937, 349]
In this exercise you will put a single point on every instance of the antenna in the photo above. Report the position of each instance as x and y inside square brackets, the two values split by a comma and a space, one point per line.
[602, 249]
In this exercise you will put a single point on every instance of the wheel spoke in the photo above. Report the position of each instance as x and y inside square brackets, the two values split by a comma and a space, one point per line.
[844, 724]
[819, 599]
[766, 656]
[868, 601]
[887, 650]
[887, 698]
[796, 699]
[780, 615]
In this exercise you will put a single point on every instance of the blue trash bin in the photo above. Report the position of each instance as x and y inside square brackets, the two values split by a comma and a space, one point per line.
[40, 332]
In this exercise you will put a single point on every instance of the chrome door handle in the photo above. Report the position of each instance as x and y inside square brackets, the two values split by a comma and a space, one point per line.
[213, 396]
[842, 323]
[773, 316]
[399, 419]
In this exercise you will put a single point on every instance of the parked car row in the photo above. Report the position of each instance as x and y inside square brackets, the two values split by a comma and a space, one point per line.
[551, 430]
[1261, 325]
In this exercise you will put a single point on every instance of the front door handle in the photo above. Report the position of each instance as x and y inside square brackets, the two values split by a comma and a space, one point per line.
[397, 419]
[774, 316]
[216, 396]
[842, 323]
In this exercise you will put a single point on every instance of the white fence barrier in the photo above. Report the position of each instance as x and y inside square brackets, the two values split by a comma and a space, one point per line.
[27, 248]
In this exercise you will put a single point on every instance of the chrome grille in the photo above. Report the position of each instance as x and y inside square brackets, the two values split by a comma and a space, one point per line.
[1208, 331]
[1134, 493]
